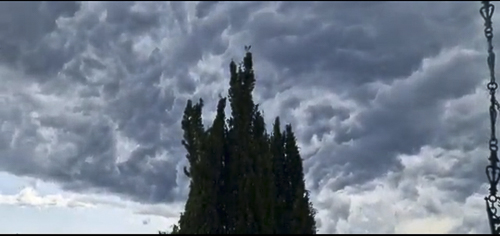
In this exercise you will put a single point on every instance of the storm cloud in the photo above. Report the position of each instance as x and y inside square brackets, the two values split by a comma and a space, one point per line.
[388, 100]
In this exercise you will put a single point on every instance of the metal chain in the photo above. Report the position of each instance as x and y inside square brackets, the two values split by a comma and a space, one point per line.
[492, 170]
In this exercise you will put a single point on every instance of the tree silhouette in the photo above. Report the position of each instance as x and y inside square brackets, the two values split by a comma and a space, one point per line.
[243, 180]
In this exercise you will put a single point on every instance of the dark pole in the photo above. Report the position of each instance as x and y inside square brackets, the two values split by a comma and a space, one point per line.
[492, 170]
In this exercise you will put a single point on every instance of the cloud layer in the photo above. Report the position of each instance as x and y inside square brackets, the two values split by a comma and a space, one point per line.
[30, 197]
[388, 100]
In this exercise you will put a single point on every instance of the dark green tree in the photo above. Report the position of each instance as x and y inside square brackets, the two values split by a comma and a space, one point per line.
[297, 203]
[280, 179]
[194, 218]
[243, 180]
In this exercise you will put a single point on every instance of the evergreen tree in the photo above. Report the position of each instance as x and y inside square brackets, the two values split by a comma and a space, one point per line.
[277, 144]
[302, 220]
[194, 218]
[264, 187]
[243, 180]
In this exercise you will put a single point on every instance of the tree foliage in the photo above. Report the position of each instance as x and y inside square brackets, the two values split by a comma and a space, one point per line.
[243, 179]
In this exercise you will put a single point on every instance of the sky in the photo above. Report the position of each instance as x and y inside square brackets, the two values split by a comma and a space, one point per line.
[388, 101]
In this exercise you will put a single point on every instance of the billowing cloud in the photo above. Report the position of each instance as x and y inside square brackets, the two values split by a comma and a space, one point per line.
[30, 197]
[388, 100]
[421, 198]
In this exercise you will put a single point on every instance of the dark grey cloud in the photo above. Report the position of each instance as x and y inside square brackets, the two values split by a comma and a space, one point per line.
[204, 8]
[356, 44]
[93, 92]
[23, 26]
[404, 119]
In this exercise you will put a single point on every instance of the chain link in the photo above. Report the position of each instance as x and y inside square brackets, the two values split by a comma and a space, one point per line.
[492, 170]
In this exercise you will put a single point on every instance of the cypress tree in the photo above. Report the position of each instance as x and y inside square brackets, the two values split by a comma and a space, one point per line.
[298, 204]
[264, 187]
[194, 218]
[243, 180]
[213, 181]
[277, 143]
